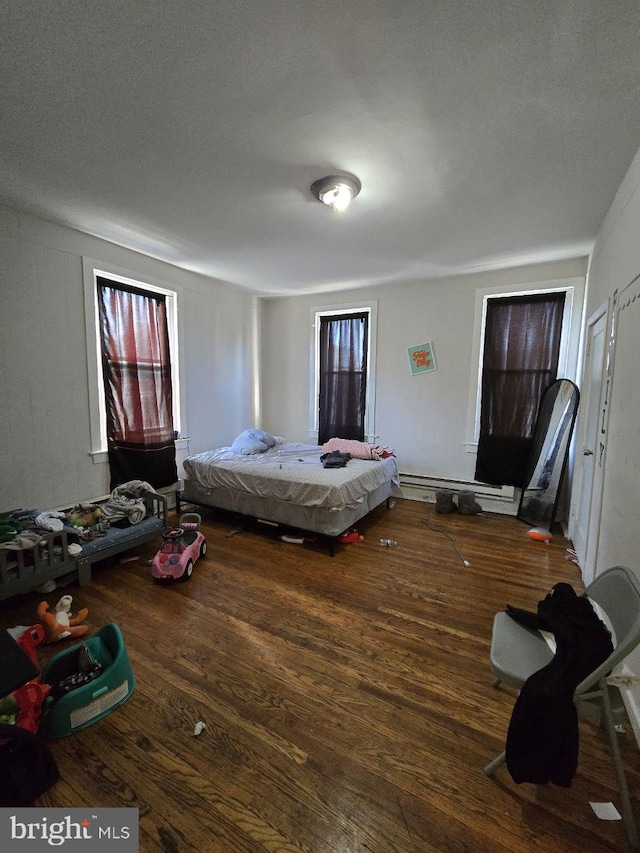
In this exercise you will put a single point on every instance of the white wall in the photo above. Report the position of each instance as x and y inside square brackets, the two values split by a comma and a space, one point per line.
[45, 448]
[424, 417]
[614, 264]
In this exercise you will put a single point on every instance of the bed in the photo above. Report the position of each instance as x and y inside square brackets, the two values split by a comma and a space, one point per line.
[26, 566]
[287, 484]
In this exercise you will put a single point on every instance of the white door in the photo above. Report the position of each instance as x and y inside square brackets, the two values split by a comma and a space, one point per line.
[589, 455]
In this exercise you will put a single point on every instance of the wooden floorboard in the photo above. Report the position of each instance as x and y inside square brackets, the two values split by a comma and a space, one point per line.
[347, 700]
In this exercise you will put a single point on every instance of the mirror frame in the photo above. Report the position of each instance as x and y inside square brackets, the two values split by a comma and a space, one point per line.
[549, 399]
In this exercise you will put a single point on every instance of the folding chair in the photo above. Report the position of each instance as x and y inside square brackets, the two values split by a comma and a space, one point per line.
[517, 652]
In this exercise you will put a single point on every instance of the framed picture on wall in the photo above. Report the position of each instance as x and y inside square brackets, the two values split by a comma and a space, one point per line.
[421, 358]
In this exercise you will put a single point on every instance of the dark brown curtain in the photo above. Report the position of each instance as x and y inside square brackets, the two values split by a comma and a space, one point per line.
[137, 384]
[343, 376]
[521, 350]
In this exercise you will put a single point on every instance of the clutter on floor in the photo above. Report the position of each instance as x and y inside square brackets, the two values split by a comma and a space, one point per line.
[539, 534]
[78, 687]
[350, 536]
[61, 623]
[464, 502]
[41, 550]
[183, 545]
[88, 681]
[446, 503]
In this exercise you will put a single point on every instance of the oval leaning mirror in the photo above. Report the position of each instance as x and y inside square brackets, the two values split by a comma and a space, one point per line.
[549, 452]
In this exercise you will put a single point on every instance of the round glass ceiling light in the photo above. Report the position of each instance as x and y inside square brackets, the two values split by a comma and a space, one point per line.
[336, 191]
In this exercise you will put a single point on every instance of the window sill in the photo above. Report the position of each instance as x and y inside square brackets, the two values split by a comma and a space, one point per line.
[100, 457]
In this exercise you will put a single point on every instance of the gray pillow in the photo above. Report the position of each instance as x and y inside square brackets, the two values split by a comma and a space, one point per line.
[253, 441]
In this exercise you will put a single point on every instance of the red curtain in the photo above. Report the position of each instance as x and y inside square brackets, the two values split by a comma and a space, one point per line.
[521, 351]
[137, 382]
[343, 376]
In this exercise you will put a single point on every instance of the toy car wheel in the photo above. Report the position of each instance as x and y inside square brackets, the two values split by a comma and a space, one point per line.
[188, 570]
[203, 548]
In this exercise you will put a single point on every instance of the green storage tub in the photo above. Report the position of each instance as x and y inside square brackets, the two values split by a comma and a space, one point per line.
[89, 703]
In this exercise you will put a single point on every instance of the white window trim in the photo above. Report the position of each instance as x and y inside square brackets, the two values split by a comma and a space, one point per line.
[567, 356]
[97, 413]
[371, 307]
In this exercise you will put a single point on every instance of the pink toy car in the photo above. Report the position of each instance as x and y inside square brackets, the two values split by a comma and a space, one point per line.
[182, 547]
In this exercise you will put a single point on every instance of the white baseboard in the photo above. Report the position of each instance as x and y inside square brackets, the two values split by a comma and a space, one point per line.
[630, 699]
[500, 499]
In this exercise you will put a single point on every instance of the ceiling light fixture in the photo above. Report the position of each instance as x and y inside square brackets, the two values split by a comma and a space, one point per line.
[336, 191]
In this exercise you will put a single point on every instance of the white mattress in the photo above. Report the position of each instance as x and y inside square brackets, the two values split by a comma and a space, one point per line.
[292, 473]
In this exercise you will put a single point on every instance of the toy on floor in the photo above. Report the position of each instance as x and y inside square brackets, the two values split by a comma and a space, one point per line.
[88, 681]
[539, 534]
[61, 623]
[183, 545]
[350, 536]
[23, 707]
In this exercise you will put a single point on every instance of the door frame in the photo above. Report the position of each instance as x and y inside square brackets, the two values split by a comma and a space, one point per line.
[592, 523]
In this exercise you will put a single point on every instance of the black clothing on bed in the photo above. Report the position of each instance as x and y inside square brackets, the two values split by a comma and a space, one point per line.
[335, 459]
[542, 740]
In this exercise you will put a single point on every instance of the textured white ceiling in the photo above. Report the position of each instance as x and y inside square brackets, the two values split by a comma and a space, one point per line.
[485, 132]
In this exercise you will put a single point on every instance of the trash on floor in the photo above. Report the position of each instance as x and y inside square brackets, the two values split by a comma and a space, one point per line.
[298, 540]
[606, 811]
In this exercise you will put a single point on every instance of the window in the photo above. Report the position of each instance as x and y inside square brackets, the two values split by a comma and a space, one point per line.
[92, 271]
[573, 289]
[343, 380]
[520, 360]
[136, 371]
[344, 342]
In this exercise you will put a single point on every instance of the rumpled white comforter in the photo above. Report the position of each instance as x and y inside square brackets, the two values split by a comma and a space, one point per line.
[292, 472]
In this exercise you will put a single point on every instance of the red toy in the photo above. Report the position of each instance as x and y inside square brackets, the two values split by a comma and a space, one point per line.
[32, 694]
[182, 547]
[350, 536]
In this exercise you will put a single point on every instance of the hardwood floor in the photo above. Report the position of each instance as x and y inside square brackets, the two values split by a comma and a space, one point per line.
[347, 700]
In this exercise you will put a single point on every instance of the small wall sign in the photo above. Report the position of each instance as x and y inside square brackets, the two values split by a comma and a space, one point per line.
[421, 358]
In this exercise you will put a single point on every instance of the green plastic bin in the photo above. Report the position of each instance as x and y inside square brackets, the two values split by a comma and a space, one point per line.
[85, 705]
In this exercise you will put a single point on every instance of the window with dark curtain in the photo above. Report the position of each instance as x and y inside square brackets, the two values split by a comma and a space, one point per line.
[343, 376]
[137, 383]
[521, 351]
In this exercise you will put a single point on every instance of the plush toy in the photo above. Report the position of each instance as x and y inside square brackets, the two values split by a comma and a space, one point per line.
[61, 623]
[85, 515]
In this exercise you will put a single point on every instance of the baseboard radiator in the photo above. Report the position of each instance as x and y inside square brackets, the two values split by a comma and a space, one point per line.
[493, 498]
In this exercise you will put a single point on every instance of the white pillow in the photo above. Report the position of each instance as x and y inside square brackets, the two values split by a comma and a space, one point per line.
[253, 441]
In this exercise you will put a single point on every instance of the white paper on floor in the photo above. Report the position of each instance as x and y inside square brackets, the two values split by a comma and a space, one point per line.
[606, 811]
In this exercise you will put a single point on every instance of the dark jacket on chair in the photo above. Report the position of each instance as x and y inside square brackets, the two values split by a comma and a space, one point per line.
[542, 740]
